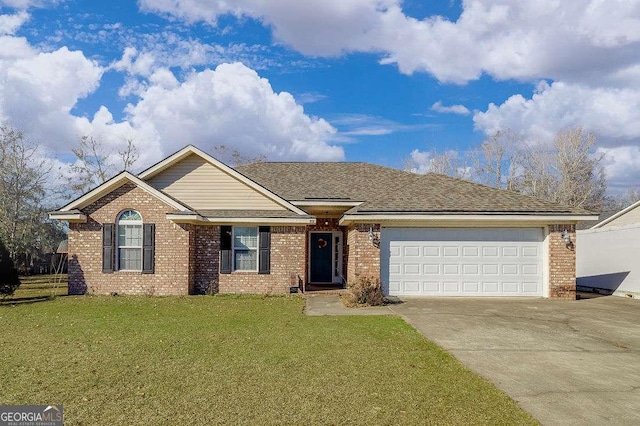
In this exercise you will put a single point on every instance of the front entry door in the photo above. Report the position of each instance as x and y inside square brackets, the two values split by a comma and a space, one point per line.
[320, 257]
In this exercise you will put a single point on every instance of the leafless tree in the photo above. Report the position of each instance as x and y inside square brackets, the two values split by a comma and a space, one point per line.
[94, 165]
[233, 157]
[445, 163]
[492, 163]
[129, 155]
[570, 172]
[24, 174]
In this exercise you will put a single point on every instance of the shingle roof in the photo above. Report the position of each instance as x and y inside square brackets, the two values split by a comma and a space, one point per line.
[383, 189]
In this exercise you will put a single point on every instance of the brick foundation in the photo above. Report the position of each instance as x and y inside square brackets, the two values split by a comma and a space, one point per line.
[363, 258]
[562, 263]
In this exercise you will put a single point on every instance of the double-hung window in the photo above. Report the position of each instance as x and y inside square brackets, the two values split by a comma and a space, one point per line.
[245, 248]
[129, 255]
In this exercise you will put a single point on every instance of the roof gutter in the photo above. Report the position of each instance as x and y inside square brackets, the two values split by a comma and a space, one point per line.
[381, 218]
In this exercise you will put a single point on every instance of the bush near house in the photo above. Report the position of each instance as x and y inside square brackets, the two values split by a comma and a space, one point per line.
[366, 291]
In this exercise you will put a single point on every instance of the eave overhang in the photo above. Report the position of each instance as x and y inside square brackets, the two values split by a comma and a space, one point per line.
[404, 218]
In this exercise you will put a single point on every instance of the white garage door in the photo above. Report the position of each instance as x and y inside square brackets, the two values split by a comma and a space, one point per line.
[462, 261]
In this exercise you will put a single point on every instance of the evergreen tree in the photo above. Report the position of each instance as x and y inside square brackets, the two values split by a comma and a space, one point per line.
[9, 280]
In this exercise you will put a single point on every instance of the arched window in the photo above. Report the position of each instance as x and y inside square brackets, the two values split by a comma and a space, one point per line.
[129, 254]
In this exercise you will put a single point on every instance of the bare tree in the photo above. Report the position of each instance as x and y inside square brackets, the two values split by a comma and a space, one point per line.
[492, 163]
[94, 165]
[129, 155]
[444, 163]
[569, 173]
[24, 226]
[233, 157]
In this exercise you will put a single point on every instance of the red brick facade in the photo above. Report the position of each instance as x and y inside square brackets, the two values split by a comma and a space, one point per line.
[562, 263]
[187, 257]
[287, 265]
[363, 257]
[172, 263]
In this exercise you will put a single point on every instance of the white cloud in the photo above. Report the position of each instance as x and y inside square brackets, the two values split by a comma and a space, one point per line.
[38, 90]
[609, 112]
[232, 106]
[524, 39]
[453, 109]
[9, 24]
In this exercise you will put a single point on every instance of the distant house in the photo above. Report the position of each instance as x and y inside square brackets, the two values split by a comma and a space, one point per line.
[608, 254]
[191, 224]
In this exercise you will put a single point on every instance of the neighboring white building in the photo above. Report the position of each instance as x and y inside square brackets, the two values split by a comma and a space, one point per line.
[608, 254]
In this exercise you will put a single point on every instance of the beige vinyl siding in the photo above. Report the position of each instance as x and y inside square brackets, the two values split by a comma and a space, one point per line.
[629, 218]
[200, 185]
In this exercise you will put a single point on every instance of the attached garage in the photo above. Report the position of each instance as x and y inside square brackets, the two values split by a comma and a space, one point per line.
[462, 261]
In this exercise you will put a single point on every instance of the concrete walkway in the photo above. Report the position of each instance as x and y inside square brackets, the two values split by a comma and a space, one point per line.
[565, 362]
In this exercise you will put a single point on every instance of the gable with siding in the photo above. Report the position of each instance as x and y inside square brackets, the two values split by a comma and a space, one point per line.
[629, 218]
[201, 185]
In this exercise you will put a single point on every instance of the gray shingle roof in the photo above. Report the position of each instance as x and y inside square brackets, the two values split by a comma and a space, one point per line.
[383, 189]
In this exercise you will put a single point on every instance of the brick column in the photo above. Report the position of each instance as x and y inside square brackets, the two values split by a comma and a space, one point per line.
[363, 258]
[562, 263]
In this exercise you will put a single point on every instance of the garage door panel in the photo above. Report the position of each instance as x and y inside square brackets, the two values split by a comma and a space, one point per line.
[431, 251]
[490, 287]
[412, 287]
[412, 269]
[431, 287]
[462, 261]
[411, 251]
[490, 269]
[470, 287]
[451, 287]
[471, 269]
[509, 287]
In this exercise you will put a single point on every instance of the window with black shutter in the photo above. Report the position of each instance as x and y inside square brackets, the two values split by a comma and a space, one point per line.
[108, 247]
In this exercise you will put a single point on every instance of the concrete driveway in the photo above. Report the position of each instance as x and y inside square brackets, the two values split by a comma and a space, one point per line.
[565, 362]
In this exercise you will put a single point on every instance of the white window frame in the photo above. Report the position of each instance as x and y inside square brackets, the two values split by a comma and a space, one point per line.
[118, 246]
[233, 249]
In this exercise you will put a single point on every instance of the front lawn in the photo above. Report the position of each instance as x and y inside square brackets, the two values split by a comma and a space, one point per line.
[233, 360]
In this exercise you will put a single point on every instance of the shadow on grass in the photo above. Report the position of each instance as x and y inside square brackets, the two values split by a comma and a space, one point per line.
[29, 300]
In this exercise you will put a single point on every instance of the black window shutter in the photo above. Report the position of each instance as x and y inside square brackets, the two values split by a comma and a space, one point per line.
[148, 248]
[108, 247]
[264, 255]
[225, 249]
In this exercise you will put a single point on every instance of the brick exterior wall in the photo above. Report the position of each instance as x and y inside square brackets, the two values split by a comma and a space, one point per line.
[562, 263]
[206, 259]
[363, 258]
[172, 248]
[287, 265]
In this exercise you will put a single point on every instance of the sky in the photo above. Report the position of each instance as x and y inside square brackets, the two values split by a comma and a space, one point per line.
[322, 80]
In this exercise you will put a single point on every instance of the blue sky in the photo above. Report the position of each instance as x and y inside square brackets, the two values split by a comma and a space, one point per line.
[355, 80]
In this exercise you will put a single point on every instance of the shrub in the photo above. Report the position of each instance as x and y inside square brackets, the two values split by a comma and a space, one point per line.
[9, 280]
[365, 291]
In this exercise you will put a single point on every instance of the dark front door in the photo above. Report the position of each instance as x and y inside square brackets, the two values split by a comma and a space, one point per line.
[320, 258]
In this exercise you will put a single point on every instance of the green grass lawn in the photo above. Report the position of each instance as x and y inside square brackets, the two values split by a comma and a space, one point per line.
[38, 287]
[233, 360]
